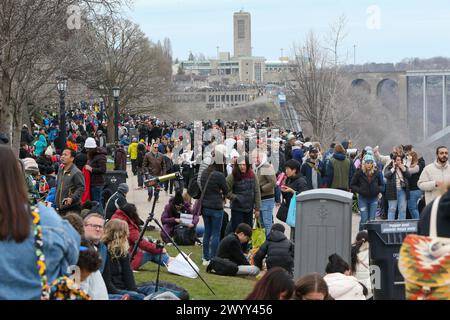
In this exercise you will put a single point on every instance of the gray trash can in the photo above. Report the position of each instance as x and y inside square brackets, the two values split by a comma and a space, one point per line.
[323, 227]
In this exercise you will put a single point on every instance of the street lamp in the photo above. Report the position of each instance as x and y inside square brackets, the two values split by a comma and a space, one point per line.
[102, 103]
[116, 94]
[61, 84]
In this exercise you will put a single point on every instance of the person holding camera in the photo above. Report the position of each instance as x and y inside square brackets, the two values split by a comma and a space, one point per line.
[397, 189]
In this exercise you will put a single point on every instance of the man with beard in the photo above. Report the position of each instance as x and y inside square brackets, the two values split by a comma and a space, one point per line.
[435, 176]
[313, 170]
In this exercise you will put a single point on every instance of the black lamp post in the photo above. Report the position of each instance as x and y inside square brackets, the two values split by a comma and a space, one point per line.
[62, 87]
[102, 103]
[116, 94]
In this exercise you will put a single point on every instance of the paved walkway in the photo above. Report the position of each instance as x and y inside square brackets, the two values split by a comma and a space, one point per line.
[139, 198]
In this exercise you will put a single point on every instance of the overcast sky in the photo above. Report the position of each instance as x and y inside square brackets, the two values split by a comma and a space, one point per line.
[382, 30]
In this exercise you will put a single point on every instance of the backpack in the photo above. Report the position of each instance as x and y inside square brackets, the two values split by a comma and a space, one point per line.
[193, 188]
[184, 236]
[222, 267]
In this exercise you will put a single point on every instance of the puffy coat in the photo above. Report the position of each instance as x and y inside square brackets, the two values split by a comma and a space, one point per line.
[361, 185]
[134, 230]
[215, 190]
[245, 195]
[133, 150]
[98, 164]
[363, 268]
[342, 287]
[391, 182]
[278, 251]
[40, 145]
[120, 159]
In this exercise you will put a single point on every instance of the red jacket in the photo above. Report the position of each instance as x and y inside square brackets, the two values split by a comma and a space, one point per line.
[134, 230]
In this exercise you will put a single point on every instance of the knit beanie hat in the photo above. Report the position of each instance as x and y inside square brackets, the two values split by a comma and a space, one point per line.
[123, 187]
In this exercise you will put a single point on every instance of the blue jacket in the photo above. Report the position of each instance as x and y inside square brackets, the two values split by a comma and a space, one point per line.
[51, 197]
[19, 278]
[41, 144]
[306, 171]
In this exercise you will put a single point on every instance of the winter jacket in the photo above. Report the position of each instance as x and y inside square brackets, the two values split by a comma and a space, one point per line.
[115, 202]
[339, 172]
[70, 184]
[231, 248]
[245, 195]
[267, 180]
[133, 150]
[307, 172]
[40, 145]
[360, 184]
[98, 164]
[427, 181]
[140, 155]
[154, 164]
[215, 190]
[391, 182]
[443, 218]
[278, 251]
[118, 275]
[80, 160]
[297, 183]
[342, 287]
[134, 232]
[168, 218]
[120, 160]
[362, 272]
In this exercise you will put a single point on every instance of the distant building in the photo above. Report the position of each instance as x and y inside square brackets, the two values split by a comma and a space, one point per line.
[242, 34]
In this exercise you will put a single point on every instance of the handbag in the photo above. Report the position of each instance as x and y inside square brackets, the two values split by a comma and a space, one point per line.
[424, 262]
[181, 267]
[184, 236]
[282, 212]
[292, 212]
[197, 208]
[62, 288]
[258, 235]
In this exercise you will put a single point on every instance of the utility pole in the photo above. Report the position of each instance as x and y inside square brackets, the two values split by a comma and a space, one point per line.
[354, 54]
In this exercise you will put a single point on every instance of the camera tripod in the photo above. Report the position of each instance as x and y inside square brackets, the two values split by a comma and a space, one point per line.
[159, 243]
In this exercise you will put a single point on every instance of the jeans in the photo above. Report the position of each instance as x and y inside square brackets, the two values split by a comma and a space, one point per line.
[213, 223]
[200, 230]
[97, 195]
[400, 203]
[140, 178]
[266, 216]
[248, 270]
[169, 185]
[367, 209]
[154, 190]
[147, 257]
[133, 295]
[413, 208]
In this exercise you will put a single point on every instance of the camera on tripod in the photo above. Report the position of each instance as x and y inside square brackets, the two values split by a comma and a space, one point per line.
[155, 180]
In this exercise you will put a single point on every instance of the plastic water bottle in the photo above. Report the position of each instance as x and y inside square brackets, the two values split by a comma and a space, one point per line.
[281, 179]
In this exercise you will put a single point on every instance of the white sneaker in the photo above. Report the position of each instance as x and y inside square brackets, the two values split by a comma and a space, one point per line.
[205, 262]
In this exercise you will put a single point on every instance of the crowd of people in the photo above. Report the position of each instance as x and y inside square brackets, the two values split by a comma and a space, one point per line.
[59, 180]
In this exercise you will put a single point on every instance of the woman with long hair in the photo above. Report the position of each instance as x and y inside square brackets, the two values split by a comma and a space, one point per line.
[147, 250]
[276, 284]
[311, 287]
[18, 259]
[368, 183]
[244, 194]
[397, 188]
[215, 188]
[360, 266]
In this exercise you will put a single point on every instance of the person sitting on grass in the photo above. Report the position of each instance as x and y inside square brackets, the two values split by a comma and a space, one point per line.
[118, 275]
[277, 250]
[91, 279]
[147, 250]
[276, 284]
[231, 248]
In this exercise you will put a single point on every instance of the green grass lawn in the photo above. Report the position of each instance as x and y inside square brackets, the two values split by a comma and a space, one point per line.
[226, 288]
